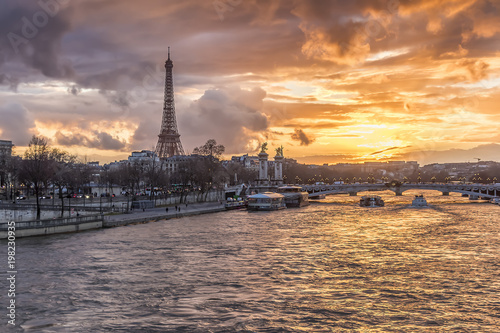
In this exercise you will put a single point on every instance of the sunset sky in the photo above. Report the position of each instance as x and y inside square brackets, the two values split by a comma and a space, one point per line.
[331, 81]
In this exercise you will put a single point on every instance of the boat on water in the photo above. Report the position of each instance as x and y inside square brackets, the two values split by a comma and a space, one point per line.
[294, 196]
[235, 204]
[419, 201]
[495, 201]
[371, 201]
[266, 201]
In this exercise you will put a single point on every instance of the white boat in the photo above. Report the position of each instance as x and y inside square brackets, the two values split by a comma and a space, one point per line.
[266, 201]
[419, 201]
[235, 204]
[371, 201]
[294, 196]
[495, 200]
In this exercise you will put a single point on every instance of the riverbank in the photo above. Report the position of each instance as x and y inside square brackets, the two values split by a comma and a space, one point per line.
[161, 213]
[76, 224]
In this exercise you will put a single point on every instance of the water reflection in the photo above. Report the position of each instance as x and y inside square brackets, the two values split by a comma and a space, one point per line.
[328, 267]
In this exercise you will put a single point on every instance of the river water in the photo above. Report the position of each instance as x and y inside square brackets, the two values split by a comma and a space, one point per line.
[329, 267]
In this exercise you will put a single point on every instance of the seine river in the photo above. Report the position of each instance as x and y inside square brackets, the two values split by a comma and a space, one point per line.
[329, 267]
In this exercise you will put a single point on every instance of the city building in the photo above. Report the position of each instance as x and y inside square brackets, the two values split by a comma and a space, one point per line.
[143, 156]
[249, 162]
[5, 148]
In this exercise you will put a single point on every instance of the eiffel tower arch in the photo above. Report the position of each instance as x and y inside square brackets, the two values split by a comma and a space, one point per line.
[169, 142]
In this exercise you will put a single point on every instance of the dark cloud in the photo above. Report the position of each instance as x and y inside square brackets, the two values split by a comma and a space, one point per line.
[34, 35]
[74, 90]
[10, 81]
[100, 140]
[384, 150]
[121, 99]
[302, 137]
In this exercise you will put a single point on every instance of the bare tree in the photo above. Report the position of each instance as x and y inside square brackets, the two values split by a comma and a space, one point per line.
[37, 166]
[62, 172]
[210, 148]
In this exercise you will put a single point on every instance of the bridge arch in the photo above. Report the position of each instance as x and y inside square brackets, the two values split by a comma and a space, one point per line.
[475, 190]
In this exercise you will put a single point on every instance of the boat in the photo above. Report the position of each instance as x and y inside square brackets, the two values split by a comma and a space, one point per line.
[419, 201]
[294, 196]
[371, 201]
[235, 204]
[266, 201]
[495, 201]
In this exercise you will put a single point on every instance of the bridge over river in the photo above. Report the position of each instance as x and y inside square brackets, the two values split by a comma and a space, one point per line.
[474, 191]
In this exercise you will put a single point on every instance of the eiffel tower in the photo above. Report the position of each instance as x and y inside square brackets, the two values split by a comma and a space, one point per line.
[169, 142]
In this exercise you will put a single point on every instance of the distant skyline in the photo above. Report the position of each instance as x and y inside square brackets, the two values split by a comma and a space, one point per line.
[331, 81]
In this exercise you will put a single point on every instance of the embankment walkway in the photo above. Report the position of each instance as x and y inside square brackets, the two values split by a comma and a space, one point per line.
[161, 213]
[80, 223]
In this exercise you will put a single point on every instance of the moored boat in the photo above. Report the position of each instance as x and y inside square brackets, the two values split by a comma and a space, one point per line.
[371, 201]
[495, 200]
[294, 196]
[266, 201]
[419, 201]
[235, 204]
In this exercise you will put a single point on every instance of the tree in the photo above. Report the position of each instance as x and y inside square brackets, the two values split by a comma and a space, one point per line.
[7, 174]
[37, 166]
[62, 168]
[210, 148]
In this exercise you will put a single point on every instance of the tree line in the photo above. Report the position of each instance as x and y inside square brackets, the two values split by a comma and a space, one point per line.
[44, 168]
